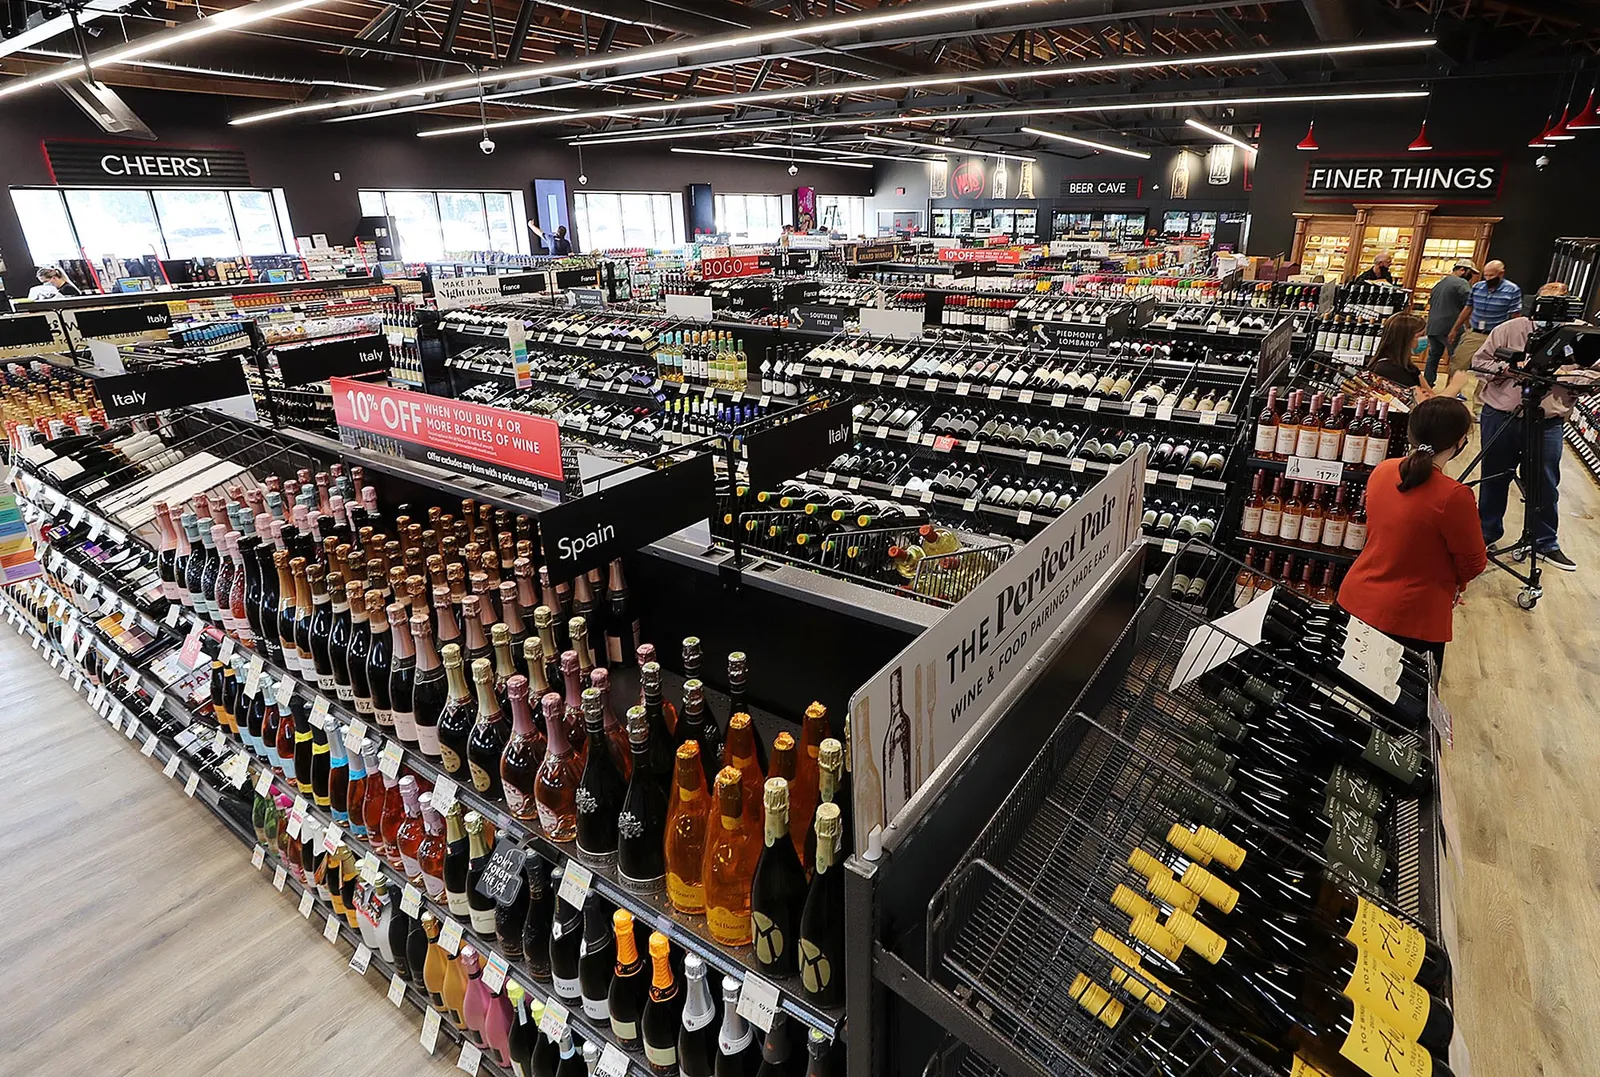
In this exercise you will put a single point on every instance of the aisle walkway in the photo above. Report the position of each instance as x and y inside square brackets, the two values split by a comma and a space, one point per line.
[137, 940]
[1524, 688]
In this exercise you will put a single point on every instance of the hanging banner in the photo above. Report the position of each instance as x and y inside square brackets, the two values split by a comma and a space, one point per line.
[980, 254]
[911, 715]
[156, 389]
[725, 268]
[512, 448]
[124, 321]
[596, 529]
[451, 293]
[939, 178]
[101, 164]
[302, 364]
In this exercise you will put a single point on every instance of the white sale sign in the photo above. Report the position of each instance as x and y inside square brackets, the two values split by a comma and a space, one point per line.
[909, 717]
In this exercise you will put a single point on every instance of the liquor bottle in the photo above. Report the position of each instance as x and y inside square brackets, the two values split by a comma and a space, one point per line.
[695, 723]
[821, 948]
[1267, 426]
[339, 631]
[1333, 526]
[600, 790]
[1355, 437]
[622, 624]
[777, 1052]
[625, 999]
[566, 937]
[778, 891]
[616, 734]
[505, 666]
[1290, 515]
[491, 730]
[658, 1027]
[687, 831]
[1331, 442]
[835, 789]
[1378, 433]
[409, 835]
[556, 785]
[544, 625]
[474, 997]
[430, 689]
[284, 620]
[597, 957]
[739, 752]
[732, 849]
[805, 790]
[480, 907]
[317, 632]
[454, 991]
[435, 961]
[662, 744]
[524, 752]
[338, 780]
[455, 721]
[541, 916]
[474, 639]
[571, 1064]
[1250, 522]
[1311, 520]
[642, 820]
[734, 1037]
[697, 1035]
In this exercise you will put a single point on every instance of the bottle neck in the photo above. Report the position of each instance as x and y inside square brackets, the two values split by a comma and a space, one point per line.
[457, 680]
[488, 702]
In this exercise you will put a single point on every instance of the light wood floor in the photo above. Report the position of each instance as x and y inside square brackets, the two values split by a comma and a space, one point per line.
[136, 939]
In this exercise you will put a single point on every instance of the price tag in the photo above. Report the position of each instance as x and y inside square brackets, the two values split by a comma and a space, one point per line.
[1025, 396]
[471, 1055]
[450, 935]
[494, 973]
[1169, 545]
[1301, 468]
[411, 901]
[264, 783]
[926, 497]
[932, 385]
[397, 989]
[285, 691]
[1152, 477]
[927, 440]
[192, 784]
[330, 929]
[944, 443]
[279, 876]
[613, 1063]
[1059, 400]
[1186, 482]
[1138, 409]
[766, 399]
[389, 759]
[575, 882]
[1208, 418]
[1076, 465]
[360, 959]
[319, 712]
[1163, 412]
[970, 505]
[1035, 458]
[877, 378]
[995, 392]
[89, 588]
[307, 899]
[1025, 517]
[897, 492]
[1091, 403]
[225, 652]
[902, 381]
[444, 794]
[847, 375]
[827, 372]
[855, 482]
[369, 869]
[150, 742]
[171, 619]
[758, 1001]
[830, 477]
[191, 655]
[430, 1030]
[962, 388]
[554, 1021]
[331, 837]
[252, 680]
[258, 856]
[295, 822]
[971, 447]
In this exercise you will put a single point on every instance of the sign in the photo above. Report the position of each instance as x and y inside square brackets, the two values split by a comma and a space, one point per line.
[896, 324]
[784, 451]
[736, 265]
[452, 293]
[26, 331]
[871, 254]
[126, 395]
[690, 308]
[1460, 178]
[319, 361]
[592, 531]
[820, 318]
[1274, 350]
[511, 448]
[1103, 187]
[1302, 469]
[1072, 337]
[18, 555]
[502, 875]
[980, 254]
[522, 283]
[913, 712]
[100, 163]
[586, 298]
[123, 321]
[968, 180]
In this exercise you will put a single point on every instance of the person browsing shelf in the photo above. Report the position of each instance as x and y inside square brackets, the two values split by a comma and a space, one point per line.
[1445, 303]
[1492, 300]
[1424, 544]
[1379, 270]
[1394, 357]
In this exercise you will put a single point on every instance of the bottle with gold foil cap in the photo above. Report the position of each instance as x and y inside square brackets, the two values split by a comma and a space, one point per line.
[732, 849]
[778, 891]
[455, 721]
[491, 729]
[820, 953]
[688, 827]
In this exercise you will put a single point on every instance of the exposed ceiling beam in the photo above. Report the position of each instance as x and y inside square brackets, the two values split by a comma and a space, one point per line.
[1237, 35]
[519, 33]
[452, 26]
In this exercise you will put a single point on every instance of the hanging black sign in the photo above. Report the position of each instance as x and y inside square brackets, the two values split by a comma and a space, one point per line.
[595, 530]
[26, 330]
[140, 393]
[1404, 179]
[587, 298]
[102, 163]
[1275, 348]
[523, 283]
[320, 361]
[782, 452]
[820, 317]
[502, 875]
[123, 321]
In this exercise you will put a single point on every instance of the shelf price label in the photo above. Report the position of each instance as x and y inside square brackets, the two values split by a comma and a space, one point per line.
[307, 900]
[390, 758]
[758, 1001]
[575, 882]
[495, 970]
[280, 875]
[444, 794]
[613, 1063]
[361, 959]
[554, 1020]
[397, 990]
[1300, 468]
[411, 901]
[471, 1055]
[430, 1030]
[192, 784]
[450, 935]
[330, 929]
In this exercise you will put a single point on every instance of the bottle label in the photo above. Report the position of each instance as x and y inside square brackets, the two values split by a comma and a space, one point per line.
[342, 692]
[595, 1009]
[1307, 443]
[770, 942]
[451, 761]
[1196, 936]
[1333, 532]
[1355, 535]
[566, 987]
[1387, 938]
[1377, 451]
[685, 896]
[385, 717]
[1271, 521]
[1287, 437]
[1310, 530]
[1399, 1002]
[482, 921]
[1251, 524]
[626, 1031]
[548, 819]
[1391, 756]
[1382, 1051]
[1289, 524]
[816, 971]
[363, 706]
[457, 900]
[1301, 1068]
[518, 802]
[481, 779]
[1329, 446]
[405, 724]
[1358, 852]
[728, 927]
[1355, 449]
[1354, 790]
[661, 1057]
[1266, 438]
[325, 683]
[427, 739]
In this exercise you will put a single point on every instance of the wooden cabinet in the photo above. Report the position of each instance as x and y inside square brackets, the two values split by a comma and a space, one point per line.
[1450, 240]
[1322, 243]
[1425, 246]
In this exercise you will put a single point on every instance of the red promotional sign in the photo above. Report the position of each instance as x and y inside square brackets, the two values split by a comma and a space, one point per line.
[511, 448]
[980, 254]
[739, 265]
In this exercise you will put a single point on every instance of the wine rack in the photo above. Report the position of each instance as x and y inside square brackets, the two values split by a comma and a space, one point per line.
[1015, 923]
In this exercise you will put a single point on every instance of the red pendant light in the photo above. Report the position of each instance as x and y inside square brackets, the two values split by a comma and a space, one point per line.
[1537, 141]
[1558, 131]
[1420, 144]
[1310, 141]
[1587, 119]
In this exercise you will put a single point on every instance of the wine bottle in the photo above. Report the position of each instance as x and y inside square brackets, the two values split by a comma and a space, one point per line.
[597, 957]
[642, 820]
[778, 890]
[821, 948]
[817, 1049]
[622, 624]
[601, 788]
[537, 926]
[524, 752]
[556, 785]
[695, 723]
[805, 790]
[511, 918]
[456, 720]
[697, 1035]
[732, 849]
[739, 752]
[776, 1050]
[434, 959]
[320, 764]
[491, 730]
[430, 690]
[480, 907]
[433, 850]
[520, 1038]
[566, 937]
[658, 1027]
[571, 1064]
[375, 675]
[687, 831]
[402, 676]
[630, 987]
[662, 744]
[319, 630]
[734, 1037]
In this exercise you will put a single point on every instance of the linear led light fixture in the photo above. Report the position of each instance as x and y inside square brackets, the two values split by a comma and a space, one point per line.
[951, 150]
[429, 105]
[214, 73]
[830, 151]
[1090, 143]
[1214, 133]
[769, 157]
[231, 19]
[807, 29]
[710, 130]
[878, 86]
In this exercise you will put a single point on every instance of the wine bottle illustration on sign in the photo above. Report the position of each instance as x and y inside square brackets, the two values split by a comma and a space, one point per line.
[896, 751]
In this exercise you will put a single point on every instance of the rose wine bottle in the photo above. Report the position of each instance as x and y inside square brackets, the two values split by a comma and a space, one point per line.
[688, 826]
[732, 849]
[556, 786]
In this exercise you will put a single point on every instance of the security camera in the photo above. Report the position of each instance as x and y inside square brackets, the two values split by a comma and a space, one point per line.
[583, 180]
[487, 145]
[794, 170]
[1541, 162]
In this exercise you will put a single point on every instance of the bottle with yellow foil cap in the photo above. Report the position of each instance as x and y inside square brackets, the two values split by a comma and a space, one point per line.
[733, 845]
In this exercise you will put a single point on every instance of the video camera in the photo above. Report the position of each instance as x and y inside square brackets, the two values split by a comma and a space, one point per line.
[1560, 339]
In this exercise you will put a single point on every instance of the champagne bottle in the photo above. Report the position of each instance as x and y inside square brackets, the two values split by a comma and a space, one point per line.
[658, 1027]
[778, 890]
[597, 957]
[524, 752]
[600, 790]
[521, 1037]
[491, 730]
[734, 1037]
[539, 922]
[430, 689]
[777, 1051]
[556, 785]
[480, 907]
[630, 986]
[697, 1035]
[687, 831]
[821, 948]
[566, 937]
[732, 849]
[642, 819]
[456, 720]
[379, 662]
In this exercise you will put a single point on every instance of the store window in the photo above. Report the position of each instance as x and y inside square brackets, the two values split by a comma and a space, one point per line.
[620, 220]
[845, 214]
[753, 218]
[435, 225]
[170, 222]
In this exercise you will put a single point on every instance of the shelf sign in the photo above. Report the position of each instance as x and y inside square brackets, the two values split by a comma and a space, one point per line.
[451, 293]
[154, 318]
[143, 392]
[321, 360]
[738, 265]
[1300, 468]
[27, 331]
[502, 876]
[593, 530]
[912, 713]
[789, 449]
[511, 448]
[1008, 257]
[1444, 178]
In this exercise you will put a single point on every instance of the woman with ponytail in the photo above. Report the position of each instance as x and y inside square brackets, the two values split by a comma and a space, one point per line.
[1424, 542]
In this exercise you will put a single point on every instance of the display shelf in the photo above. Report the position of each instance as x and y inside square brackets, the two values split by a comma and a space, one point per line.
[1583, 449]
[1316, 553]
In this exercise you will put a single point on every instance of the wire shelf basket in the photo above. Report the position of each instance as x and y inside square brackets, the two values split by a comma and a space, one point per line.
[1014, 926]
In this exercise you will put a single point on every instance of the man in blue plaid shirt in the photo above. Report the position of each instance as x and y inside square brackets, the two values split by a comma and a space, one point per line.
[1493, 300]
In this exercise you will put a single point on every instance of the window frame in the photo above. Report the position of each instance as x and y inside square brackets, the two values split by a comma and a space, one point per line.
[722, 204]
[518, 213]
[673, 232]
[61, 192]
